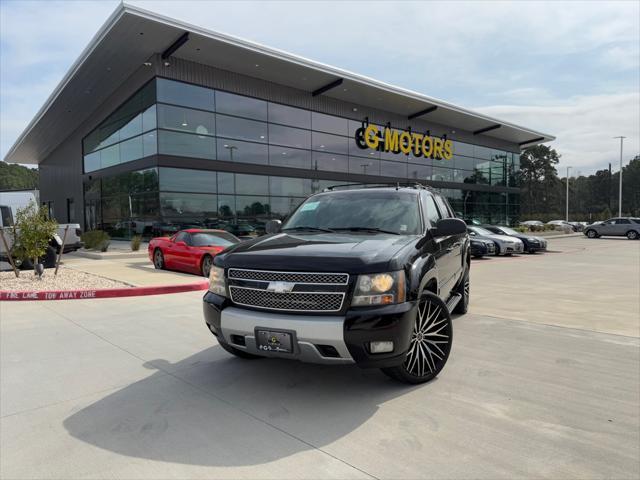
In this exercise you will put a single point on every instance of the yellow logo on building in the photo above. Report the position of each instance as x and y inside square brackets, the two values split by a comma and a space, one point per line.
[407, 142]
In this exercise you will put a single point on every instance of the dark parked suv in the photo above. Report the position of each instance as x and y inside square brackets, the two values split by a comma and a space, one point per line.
[366, 275]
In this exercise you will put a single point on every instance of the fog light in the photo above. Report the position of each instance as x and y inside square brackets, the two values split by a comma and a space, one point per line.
[381, 347]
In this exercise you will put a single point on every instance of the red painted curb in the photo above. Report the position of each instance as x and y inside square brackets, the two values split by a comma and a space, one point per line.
[8, 295]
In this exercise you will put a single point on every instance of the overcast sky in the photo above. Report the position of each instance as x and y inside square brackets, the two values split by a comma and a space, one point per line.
[569, 69]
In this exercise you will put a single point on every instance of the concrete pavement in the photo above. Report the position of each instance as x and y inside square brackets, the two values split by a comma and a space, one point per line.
[137, 388]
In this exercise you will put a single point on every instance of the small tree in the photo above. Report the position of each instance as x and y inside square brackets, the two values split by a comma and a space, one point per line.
[33, 231]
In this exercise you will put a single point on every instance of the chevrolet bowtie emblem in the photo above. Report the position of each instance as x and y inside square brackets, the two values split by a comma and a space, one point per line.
[280, 287]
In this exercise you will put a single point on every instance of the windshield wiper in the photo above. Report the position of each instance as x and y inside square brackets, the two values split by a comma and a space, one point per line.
[311, 229]
[365, 229]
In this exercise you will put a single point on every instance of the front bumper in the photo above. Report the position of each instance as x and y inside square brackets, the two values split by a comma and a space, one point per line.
[347, 336]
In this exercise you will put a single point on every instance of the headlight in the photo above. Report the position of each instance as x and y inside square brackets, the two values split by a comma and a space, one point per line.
[217, 283]
[532, 239]
[379, 289]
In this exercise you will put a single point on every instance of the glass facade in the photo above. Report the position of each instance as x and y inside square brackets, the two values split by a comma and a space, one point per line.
[178, 119]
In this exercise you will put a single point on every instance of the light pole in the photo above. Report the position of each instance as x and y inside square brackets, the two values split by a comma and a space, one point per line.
[231, 148]
[620, 189]
[567, 209]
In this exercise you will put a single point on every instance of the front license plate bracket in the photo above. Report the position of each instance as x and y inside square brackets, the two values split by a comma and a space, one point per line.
[274, 340]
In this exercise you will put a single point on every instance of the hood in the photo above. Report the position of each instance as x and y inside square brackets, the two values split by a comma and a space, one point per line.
[322, 252]
[499, 238]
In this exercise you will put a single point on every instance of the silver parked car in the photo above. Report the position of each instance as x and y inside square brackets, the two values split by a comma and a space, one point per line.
[619, 227]
[505, 245]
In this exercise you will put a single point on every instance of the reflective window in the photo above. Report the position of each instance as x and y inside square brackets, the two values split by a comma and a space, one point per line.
[364, 166]
[481, 152]
[442, 174]
[323, 142]
[252, 206]
[109, 156]
[289, 157]
[419, 171]
[292, 137]
[283, 206]
[285, 115]
[131, 149]
[194, 205]
[393, 169]
[92, 162]
[355, 151]
[179, 93]
[461, 148]
[330, 162]
[252, 184]
[285, 186]
[226, 183]
[226, 206]
[433, 215]
[242, 152]
[329, 124]
[464, 163]
[150, 143]
[241, 106]
[241, 129]
[186, 120]
[186, 144]
[184, 180]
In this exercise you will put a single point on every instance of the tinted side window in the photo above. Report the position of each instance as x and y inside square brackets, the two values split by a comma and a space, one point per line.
[442, 205]
[622, 221]
[431, 211]
[182, 237]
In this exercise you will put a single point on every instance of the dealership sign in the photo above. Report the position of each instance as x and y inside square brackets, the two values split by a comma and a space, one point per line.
[385, 139]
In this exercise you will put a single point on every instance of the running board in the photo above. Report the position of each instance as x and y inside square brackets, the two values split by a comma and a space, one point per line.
[453, 301]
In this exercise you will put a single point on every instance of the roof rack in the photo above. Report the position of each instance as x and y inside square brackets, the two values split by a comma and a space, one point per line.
[396, 185]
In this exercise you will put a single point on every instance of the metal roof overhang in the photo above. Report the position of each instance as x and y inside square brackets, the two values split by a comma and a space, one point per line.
[132, 35]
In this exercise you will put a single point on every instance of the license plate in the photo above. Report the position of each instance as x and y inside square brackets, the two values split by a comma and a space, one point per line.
[274, 341]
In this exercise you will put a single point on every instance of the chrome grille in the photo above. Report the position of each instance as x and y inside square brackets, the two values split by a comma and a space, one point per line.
[292, 301]
[293, 277]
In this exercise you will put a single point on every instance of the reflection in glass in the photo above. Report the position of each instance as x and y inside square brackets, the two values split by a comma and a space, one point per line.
[252, 206]
[242, 152]
[186, 144]
[393, 169]
[179, 93]
[131, 149]
[184, 180]
[285, 186]
[226, 182]
[241, 106]
[190, 205]
[324, 142]
[286, 115]
[252, 184]
[329, 162]
[289, 157]
[364, 166]
[186, 120]
[241, 129]
[292, 137]
[329, 124]
[420, 172]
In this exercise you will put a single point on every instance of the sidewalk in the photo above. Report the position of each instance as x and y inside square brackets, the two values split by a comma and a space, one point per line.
[134, 271]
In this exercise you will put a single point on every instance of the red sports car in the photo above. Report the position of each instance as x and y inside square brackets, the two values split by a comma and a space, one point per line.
[190, 250]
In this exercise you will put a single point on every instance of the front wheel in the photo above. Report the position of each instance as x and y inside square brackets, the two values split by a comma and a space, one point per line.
[207, 263]
[430, 344]
[158, 259]
[592, 234]
[632, 235]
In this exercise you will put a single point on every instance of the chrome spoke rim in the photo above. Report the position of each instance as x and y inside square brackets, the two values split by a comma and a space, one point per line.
[429, 339]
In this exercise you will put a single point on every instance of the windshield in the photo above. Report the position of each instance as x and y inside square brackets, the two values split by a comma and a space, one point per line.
[389, 212]
[508, 231]
[481, 231]
[208, 239]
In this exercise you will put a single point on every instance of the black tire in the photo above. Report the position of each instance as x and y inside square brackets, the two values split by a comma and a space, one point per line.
[430, 345]
[237, 352]
[592, 233]
[158, 259]
[49, 258]
[632, 235]
[463, 289]
[205, 266]
[26, 264]
[478, 256]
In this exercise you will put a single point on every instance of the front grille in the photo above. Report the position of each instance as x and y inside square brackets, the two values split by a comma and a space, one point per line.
[292, 301]
[491, 247]
[293, 277]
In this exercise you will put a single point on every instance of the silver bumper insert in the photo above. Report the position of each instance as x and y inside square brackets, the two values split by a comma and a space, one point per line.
[310, 330]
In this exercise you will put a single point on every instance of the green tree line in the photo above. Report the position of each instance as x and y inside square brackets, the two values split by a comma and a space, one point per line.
[17, 177]
[592, 197]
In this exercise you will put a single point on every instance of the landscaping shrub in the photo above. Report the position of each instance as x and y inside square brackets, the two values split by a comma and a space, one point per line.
[32, 232]
[135, 242]
[521, 229]
[96, 239]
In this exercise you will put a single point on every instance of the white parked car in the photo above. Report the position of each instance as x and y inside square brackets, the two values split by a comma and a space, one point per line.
[505, 244]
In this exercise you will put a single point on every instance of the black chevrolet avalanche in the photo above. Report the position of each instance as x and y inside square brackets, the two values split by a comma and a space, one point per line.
[358, 275]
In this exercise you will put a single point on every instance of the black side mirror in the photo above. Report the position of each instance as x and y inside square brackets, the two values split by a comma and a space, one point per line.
[449, 226]
[273, 226]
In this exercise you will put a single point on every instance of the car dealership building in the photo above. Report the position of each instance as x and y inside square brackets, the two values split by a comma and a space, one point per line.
[160, 124]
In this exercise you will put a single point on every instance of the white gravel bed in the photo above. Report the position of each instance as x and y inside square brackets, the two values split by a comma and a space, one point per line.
[67, 279]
